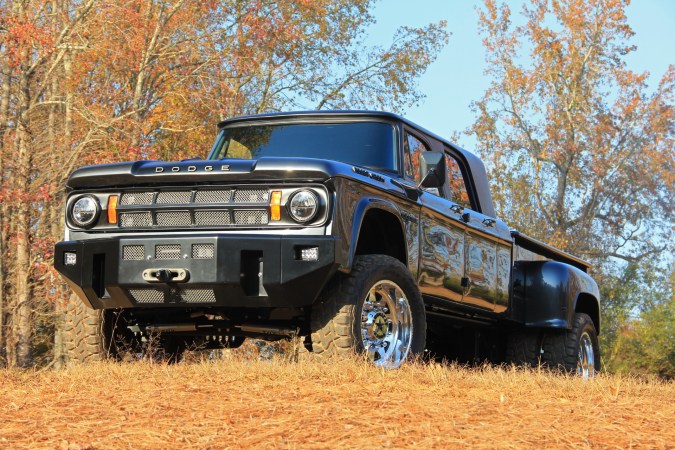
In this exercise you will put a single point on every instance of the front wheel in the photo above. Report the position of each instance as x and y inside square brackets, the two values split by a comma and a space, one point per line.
[376, 309]
[576, 350]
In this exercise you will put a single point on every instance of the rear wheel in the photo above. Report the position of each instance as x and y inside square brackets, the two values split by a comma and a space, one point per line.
[576, 350]
[523, 347]
[377, 309]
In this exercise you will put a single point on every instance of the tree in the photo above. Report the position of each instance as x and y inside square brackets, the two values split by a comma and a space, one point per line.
[581, 151]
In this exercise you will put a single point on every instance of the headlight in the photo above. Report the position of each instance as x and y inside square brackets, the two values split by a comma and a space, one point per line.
[303, 206]
[85, 211]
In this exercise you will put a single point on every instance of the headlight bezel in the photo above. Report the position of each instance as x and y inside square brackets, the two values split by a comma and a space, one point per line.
[96, 214]
[317, 206]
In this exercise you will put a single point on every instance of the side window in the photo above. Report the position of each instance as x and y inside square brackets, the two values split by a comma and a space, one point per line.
[456, 185]
[412, 148]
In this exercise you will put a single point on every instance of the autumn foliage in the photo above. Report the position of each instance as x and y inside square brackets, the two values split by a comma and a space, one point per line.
[581, 152]
[95, 81]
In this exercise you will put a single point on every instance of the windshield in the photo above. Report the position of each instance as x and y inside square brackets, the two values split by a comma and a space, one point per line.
[368, 144]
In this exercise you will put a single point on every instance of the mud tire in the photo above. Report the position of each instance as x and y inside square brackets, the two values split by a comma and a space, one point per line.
[94, 335]
[335, 319]
[523, 348]
[561, 347]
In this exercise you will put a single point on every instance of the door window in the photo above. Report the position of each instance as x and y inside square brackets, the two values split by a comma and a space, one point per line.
[413, 147]
[456, 186]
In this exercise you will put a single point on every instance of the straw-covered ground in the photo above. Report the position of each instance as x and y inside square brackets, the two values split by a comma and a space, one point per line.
[239, 402]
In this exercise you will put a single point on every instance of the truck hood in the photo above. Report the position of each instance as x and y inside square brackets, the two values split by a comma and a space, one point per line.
[142, 173]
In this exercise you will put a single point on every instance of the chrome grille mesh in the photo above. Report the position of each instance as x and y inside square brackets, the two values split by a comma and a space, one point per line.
[173, 219]
[133, 252]
[251, 217]
[219, 196]
[212, 217]
[173, 197]
[135, 220]
[202, 251]
[162, 213]
[137, 198]
[251, 196]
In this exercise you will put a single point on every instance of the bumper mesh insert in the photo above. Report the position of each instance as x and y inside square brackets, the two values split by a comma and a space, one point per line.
[133, 252]
[147, 295]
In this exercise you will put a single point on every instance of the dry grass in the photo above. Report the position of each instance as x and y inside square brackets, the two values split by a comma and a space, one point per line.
[239, 403]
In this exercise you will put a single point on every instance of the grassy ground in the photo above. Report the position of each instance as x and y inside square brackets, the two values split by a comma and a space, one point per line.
[239, 403]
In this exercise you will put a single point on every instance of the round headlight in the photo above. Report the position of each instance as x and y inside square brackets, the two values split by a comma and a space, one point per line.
[84, 211]
[303, 206]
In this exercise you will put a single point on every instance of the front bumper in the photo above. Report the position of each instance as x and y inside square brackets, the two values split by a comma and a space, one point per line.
[216, 270]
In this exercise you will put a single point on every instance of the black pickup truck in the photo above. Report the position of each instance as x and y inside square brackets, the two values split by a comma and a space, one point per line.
[350, 231]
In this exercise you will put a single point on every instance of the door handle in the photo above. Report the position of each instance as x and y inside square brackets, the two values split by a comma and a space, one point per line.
[489, 222]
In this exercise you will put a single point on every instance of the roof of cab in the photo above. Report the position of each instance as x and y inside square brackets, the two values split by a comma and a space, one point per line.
[475, 165]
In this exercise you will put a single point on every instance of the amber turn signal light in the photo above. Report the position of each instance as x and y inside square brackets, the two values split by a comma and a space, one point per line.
[112, 209]
[275, 206]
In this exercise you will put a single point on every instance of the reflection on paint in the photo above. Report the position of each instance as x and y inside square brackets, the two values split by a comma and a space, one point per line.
[442, 262]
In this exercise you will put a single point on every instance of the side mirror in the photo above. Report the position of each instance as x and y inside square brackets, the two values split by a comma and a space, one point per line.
[432, 165]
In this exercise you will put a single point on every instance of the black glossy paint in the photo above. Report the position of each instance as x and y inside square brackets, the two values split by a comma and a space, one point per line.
[286, 280]
[462, 259]
[545, 293]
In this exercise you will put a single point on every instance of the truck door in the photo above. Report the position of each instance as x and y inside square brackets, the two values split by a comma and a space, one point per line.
[486, 247]
[442, 235]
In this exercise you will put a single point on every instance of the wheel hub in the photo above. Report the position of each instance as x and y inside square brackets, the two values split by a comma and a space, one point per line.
[586, 357]
[377, 325]
[386, 324]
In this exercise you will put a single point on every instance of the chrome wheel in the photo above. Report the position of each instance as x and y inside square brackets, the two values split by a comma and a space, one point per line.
[386, 324]
[586, 358]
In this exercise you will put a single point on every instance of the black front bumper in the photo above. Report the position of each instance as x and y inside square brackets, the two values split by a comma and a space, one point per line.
[220, 270]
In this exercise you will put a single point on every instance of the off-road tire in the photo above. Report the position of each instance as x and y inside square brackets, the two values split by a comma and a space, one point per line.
[94, 335]
[523, 347]
[561, 347]
[84, 340]
[335, 327]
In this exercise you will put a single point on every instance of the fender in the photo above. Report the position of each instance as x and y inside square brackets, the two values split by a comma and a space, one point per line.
[545, 294]
[352, 204]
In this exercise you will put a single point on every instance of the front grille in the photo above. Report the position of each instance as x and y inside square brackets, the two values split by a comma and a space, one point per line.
[251, 196]
[219, 196]
[135, 220]
[251, 217]
[173, 219]
[167, 251]
[187, 208]
[176, 197]
[137, 198]
[133, 252]
[212, 217]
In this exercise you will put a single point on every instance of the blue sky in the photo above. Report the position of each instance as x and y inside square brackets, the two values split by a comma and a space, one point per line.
[456, 78]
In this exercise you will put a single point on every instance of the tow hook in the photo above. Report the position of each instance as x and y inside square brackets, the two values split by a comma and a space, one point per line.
[166, 275]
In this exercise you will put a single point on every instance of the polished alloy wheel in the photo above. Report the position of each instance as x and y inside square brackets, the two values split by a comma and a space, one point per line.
[386, 324]
[586, 358]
